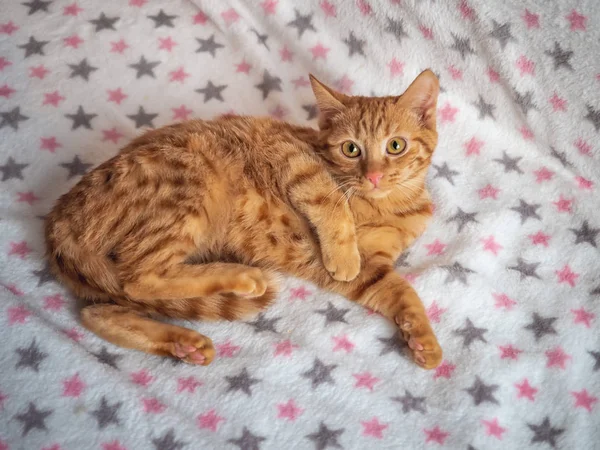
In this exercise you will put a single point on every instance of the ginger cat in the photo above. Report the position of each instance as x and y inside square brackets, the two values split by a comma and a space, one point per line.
[194, 220]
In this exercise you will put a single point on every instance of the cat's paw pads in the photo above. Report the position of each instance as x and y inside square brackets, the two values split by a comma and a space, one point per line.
[422, 343]
[250, 283]
[343, 263]
[193, 348]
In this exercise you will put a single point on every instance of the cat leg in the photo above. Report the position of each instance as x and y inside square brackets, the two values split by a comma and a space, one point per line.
[128, 328]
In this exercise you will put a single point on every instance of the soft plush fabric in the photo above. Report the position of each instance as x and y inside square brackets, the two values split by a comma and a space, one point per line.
[508, 268]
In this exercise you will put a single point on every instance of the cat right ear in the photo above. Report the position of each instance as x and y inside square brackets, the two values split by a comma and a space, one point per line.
[422, 95]
[329, 101]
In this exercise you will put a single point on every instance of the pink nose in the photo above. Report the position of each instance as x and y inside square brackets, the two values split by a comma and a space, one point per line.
[375, 178]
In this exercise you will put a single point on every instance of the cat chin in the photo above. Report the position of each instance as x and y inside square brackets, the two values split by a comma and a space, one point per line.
[377, 193]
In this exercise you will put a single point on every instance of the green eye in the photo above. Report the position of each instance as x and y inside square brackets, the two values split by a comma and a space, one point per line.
[396, 146]
[350, 149]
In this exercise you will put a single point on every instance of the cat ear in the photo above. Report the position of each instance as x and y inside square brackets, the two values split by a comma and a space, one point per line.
[422, 96]
[329, 101]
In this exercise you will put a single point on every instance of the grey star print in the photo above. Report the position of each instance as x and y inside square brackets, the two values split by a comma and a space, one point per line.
[561, 156]
[33, 47]
[595, 291]
[457, 272]
[162, 19]
[261, 323]
[593, 116]
[320, 373]
[596, 356]
[526, 269]
[76, 167]
[209, 45]
[269, 83]
[242, 382]
[392, 344]
[12, 169]
[396, 27]
[104, 23]
[561, 57]
[544, 432]
[312, 111]
[541, 326]
[502, 33]
[33, 418]
[402, 260]
[144, 67]
[302, 23]
[81, 119]
[37, 5]
[262, 38]
[30, 356]
[481, 392]
[325, 437]
[211, 91]
[12, 118]
[333, 314]
[83, 69]
[411, 403]
[107, 414]
[462, 218]
[525, 101]
[248, 440]
[355, 45]
[470, 333]
[510, 164]
[105, 357]
[527, 210]
[444, 171]
[585, 234]
[168, 441]
[485, 109]
[44, 275]
[142, 118]
[462, 45]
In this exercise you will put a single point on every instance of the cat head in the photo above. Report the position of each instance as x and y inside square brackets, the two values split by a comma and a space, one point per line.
[377, 146]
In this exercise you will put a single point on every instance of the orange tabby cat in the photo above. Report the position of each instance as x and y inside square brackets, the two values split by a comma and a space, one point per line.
[194, 220]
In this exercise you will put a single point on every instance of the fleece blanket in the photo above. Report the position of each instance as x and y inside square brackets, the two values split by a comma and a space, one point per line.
[508, 269]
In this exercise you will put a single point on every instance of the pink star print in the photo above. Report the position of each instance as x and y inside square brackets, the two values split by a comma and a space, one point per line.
[434, 312]
[243, 67]
[112, 135]
[525, 66]
[8, 28]
[543, 174]
[531, 20]
[328, 8]
[269, 6]
[138, 3]
[27, 197]
[558, 103]
[584, 183]
[289, 410]
[152, 405]
[509, 352]
[396, 67]
[566, 275]
[319, 51]
[584, 400]
[279, 112]
[18, 314]
[300, 82]
[200, 18]
[116, 95]
[435, 248]
[6, 91]
[563, 204]
[13, 288]
[166, 43]
[178, 75]
[344, 85]
[490, 245]
[188, 384]
[53, 302]
[73, 387]
[73, 41]
[49, 144]
[286, 54]
[38, 72]
[227, 350]
[488, 191]
[493, 428]
[447, 113]
[141, 377]
[230, 16]
[72, 10]
[4, 63]
[365, 380]
[526, 133]
[20, 249]
[181, 113]
[2, 398]
[210, 420]
[342, 343]
[526, 391]
[300, 293]
[50, 447]
[53, 98]
[74, 334]
[113, 445]
[466, 11]
[455, 73]
[557, 358]
[373, 428]
[284, 348]
[503, 301]
[583, 147]
[118, 46]
[493, 75]
[444, 370]
[426, 32]
[583, 316]
[436, 435]
[577, 21]
[539, 238]
[364, 7]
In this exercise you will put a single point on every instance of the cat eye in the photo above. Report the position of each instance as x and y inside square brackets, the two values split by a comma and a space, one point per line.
[350, 149]
[396, 146]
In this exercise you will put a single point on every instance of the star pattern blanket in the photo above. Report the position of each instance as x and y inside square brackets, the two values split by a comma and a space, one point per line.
[508, 269]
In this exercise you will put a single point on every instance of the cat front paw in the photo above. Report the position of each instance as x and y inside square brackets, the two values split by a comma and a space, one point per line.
[343, 262]
[422, 343]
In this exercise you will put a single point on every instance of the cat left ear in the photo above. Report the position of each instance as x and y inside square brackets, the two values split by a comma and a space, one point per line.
[329, 101]
[422, 95]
